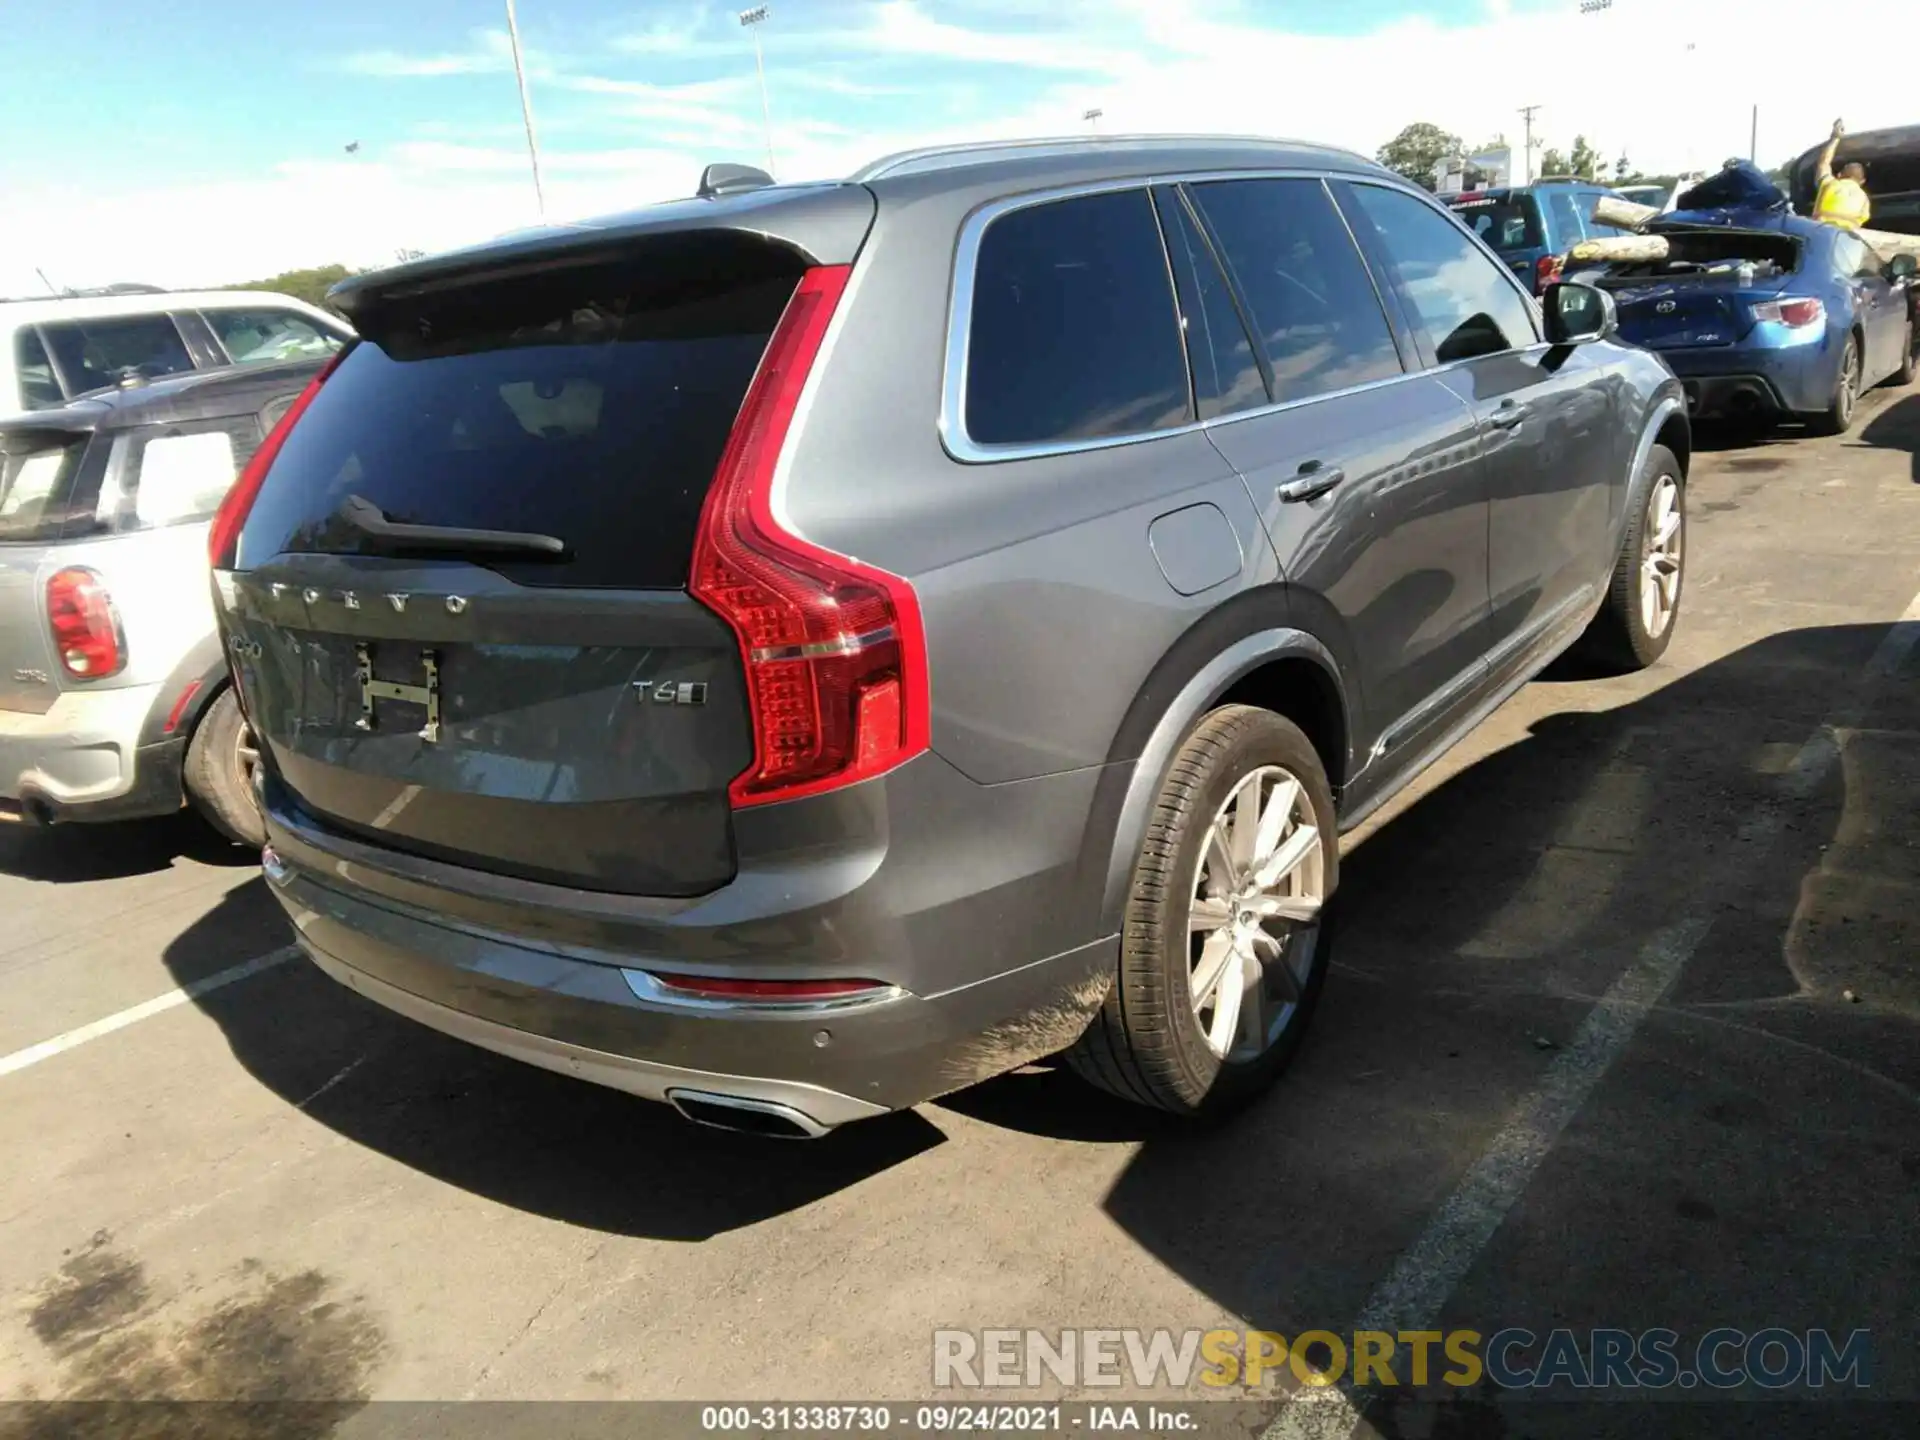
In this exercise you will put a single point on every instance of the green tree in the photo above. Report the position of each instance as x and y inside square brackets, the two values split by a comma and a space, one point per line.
[310, 285]
[1622, 168]
[1554, 163]
[1417, 151]
[1585, 160]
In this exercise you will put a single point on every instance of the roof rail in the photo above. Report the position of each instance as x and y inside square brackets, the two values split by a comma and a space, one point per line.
[718, 180]
[125, 287]
[929, 156]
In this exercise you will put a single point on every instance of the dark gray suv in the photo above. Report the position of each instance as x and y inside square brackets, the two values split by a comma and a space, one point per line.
[805, 649]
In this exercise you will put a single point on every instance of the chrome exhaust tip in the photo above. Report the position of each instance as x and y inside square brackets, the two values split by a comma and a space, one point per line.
[766, 1118]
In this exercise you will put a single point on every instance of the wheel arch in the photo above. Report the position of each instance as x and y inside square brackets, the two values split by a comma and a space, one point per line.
[1238, 654]
[192, 685]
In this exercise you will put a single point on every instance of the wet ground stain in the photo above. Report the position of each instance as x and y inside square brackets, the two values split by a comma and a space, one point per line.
[93, 1292]
[281, 1356]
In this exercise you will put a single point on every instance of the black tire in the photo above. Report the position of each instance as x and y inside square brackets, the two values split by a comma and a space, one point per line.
[218, 778]
[1837, 418]
[1619, 640]
[1146, 1044]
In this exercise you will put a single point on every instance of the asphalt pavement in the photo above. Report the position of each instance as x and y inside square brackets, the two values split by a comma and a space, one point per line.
[1620, 1033]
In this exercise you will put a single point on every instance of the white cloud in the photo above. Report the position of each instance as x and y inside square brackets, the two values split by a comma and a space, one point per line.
[490, 52]
[1623, 78]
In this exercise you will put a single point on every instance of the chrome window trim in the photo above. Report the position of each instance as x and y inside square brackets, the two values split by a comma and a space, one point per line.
[953, 390]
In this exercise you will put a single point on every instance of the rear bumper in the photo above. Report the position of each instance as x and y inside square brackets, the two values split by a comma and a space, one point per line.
[587, 1018]
[969, 902]
[1742, 380]
[83, 759]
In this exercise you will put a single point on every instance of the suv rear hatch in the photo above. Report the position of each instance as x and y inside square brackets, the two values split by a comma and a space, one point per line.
[1509, 222]
[1704, 293]
[539, 696]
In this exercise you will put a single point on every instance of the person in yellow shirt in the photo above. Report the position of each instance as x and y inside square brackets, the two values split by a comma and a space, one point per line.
[1842, 198]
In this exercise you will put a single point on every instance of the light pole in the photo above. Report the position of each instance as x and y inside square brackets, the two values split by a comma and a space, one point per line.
[752, 20]
[1526, 155]
[1092, 117]
[526, 110]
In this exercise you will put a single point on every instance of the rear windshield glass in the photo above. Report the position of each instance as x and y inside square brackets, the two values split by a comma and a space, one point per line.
[590, 404]
[36, 485]
[1506, 224]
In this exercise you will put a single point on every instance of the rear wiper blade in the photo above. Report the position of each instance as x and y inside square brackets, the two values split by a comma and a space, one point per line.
[370, 520]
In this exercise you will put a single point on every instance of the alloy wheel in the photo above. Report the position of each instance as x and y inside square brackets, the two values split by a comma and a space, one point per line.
[1663, 553]
[1254, 914]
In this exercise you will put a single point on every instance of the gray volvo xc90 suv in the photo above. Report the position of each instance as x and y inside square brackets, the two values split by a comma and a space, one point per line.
[805, 649]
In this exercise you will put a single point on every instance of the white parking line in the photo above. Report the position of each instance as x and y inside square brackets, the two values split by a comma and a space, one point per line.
[159, 1005]
[1424, 1277]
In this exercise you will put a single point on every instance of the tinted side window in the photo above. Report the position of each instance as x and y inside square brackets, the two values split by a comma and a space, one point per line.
[39, 390]
[94, 353]
[1461, 297]
[1226, 374]
[254, 337]
[1313, 302]
[1073, 332]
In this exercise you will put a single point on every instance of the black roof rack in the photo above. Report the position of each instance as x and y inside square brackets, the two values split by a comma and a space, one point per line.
[717, 180]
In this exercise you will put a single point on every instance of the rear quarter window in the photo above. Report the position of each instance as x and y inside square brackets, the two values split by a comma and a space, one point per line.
[174, 474]
[1073, 333]
[36, 486]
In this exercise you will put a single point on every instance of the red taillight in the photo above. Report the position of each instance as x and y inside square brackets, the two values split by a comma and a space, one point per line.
[795, 992]
[1795, 311]
[86, 627]
[1546, 271]
[224, 539]
[835, 655]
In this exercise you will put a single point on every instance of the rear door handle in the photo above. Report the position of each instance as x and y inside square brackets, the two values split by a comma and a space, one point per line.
[1508, 416]
[1315, 478]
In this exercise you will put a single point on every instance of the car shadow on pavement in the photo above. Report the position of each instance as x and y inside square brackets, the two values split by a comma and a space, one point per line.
[544, 1143]
[1752, 1153]
[1897, 428]
[66, 854]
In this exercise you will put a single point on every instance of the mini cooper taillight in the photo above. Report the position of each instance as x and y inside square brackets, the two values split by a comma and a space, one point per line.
[86, 626]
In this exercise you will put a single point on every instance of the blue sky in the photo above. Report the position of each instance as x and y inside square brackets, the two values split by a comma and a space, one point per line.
[204, 140]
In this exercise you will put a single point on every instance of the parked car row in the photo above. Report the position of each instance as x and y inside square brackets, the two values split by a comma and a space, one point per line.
[60, 349]
[1532, 227]
[1762, 313]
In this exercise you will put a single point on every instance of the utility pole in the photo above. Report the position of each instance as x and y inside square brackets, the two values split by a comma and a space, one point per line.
[752, 20]
[1753, 138]
[526, 110]
[1526, 163]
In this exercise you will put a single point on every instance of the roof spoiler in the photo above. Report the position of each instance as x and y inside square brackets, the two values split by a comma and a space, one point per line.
[718, 180]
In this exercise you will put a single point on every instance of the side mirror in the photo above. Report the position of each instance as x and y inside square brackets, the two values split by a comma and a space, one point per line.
[1902, 267]
[1576, 313]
